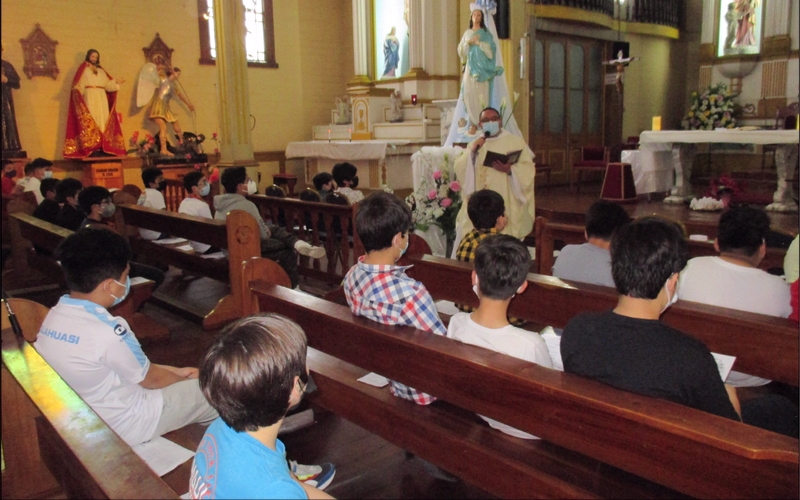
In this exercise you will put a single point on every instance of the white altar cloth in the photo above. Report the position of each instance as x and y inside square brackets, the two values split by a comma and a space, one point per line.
[717, 136]
[341, 150]
[653, 177]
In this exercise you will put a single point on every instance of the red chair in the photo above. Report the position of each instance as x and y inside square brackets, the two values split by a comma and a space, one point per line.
[593, 158]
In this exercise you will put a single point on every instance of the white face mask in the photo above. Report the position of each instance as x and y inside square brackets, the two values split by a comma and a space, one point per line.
[251, 187]
[403, 250]
[476, 288]
[670, 299]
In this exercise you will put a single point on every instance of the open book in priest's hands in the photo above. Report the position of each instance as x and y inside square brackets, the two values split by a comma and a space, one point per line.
[510, 158]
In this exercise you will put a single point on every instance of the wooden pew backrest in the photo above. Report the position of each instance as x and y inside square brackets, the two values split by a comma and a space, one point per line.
[656, 439]
[763, 345]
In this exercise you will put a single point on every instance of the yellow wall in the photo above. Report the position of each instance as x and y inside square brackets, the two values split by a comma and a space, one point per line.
[314, 57]
[654, 85]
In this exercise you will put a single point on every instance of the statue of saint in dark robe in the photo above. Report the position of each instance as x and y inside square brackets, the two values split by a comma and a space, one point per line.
[10, 81]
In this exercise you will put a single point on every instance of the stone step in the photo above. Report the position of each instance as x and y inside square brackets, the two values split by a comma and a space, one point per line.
[409, 130]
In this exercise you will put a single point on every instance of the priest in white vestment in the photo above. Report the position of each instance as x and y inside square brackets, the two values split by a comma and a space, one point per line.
[514, 181]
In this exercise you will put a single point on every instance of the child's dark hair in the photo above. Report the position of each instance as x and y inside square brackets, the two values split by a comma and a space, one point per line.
[37, 163]
[149, 175]
[742, 230]
[379, 218]
[502, 263]
[232, 177]
[47, 185]
[248, 374]
[191, 179]
[92, 195]
[321, 179]
[604, 218]
[484, 207]
[344, 172]
[67, 188]
[90, 256]
[644, 254]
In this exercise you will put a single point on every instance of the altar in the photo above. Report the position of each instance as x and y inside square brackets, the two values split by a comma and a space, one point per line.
[678, 148]
[379, 162]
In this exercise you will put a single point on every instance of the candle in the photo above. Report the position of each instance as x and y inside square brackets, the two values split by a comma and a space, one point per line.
[350, 134]
[414, 99]
[329, 135]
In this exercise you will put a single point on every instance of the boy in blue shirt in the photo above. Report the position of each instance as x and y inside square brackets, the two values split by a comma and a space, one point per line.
[251, 376]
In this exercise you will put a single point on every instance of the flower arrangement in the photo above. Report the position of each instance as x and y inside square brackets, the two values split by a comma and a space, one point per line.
[724, 185]
[143, 147]
[714, 108]
[437, 203]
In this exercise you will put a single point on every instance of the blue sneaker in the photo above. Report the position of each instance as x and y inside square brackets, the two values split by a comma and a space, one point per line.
[318, 476]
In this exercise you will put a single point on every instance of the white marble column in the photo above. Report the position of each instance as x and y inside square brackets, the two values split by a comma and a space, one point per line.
[361, 35]
[707, 32]
[777, 14]
[416, 38]
[233, 94]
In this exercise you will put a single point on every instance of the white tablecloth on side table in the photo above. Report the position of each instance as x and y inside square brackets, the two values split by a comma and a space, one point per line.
[652, 177]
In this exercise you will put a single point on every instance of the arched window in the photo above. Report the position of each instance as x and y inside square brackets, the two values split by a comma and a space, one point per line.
[260, 38]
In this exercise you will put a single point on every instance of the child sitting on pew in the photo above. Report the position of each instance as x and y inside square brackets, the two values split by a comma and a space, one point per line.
[324, 184]
[70, 216]
[197, 188]
[99, 356]
[48, 209]
[378, 289]
[501, 269]
[252, 375]
[276, 242]
[152, 197]
[346, 177]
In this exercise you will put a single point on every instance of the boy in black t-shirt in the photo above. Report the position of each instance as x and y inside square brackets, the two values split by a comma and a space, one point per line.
[628, 347]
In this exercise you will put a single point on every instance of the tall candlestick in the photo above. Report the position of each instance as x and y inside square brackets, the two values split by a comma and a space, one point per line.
[350, 134]
[329, 135]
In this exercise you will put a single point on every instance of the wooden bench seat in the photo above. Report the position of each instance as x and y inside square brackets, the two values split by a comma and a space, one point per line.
[585, 423]
[238, 234]
[341, 252]
[763, 345]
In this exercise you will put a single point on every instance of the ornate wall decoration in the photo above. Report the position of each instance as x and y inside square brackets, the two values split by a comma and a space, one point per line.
[158, 52]
[40, 54]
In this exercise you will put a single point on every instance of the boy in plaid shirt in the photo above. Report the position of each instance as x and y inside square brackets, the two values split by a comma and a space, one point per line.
[378, 289]
[486, 210]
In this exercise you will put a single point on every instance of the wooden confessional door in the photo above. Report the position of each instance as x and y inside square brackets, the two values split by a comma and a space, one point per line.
[567, 99]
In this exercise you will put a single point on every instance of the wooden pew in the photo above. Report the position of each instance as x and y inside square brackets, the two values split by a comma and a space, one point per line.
[548, 233]
[239, 235]
[763, 345]
[82, 454]
[341, 254]
[31, 231]
[584, 424]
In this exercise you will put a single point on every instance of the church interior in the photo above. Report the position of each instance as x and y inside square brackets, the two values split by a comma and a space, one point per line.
[681, 109]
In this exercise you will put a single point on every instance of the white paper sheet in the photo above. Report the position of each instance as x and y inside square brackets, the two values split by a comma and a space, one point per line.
[138, 279]
[724, 364]
[162, 455]
[374, 380]
[446, 307]
[169, 241]
[185, 248]
[217, 255]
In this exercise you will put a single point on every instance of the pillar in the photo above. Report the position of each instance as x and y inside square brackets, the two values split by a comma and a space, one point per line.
[361, 43]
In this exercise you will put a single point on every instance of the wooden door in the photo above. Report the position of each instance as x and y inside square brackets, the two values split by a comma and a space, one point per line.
[567, 104]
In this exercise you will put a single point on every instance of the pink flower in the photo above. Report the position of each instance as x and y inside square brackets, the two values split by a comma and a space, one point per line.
[214, 135]
[432, 194]
[455, 186]
[197, 166]
[188, 156]
[446, 202]
[437, 174]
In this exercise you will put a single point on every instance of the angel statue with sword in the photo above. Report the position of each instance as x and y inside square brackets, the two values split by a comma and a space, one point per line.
[157, 85]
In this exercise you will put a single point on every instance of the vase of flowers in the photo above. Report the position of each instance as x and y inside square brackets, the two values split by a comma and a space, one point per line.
[713, 108]
[145, 148]
[436, 203]
[725, 188]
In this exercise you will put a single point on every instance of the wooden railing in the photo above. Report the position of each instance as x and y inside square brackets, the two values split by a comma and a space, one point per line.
[665, 12]
[604, 6]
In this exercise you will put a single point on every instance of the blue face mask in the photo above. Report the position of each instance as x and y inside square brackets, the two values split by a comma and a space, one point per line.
[127, 285]
[206, 189]
[492, 127]
[48, 174]
[405, 248]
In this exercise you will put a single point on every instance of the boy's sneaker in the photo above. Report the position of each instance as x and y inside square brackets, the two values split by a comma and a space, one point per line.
[303, 248]
[318, 476]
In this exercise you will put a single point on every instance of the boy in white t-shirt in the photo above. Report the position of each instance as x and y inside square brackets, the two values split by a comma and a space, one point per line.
[99, 356]
[501, 269]
[197, 188]
[152, 197]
